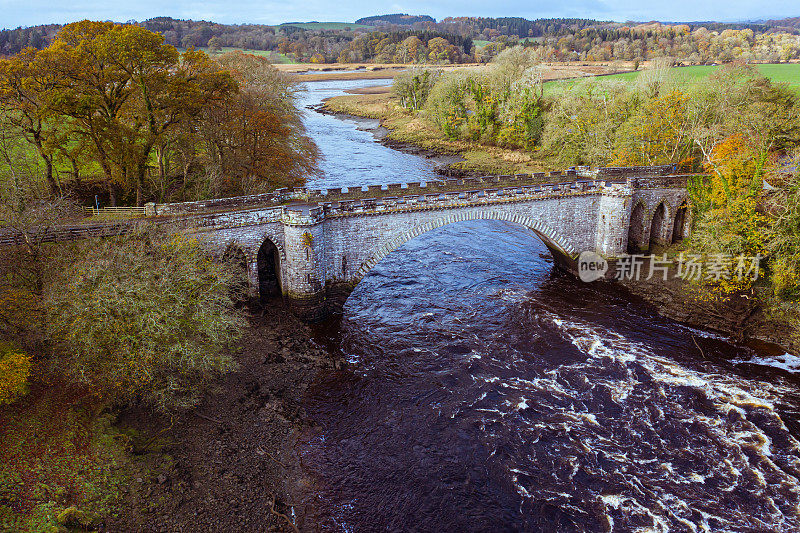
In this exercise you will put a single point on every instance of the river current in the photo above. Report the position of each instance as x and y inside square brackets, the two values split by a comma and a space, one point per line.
[490, 392]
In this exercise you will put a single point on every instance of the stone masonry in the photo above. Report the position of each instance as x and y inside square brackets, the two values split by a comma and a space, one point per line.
[327, 241]
[327, 246]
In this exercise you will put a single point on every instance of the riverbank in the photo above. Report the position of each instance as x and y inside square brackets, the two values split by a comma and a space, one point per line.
[742, 318]
[230, 464]
[411, 133]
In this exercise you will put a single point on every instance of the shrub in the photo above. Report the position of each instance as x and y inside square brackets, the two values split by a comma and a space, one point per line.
[446, 105]
[414, 86]
[144, 317]
[15, 369]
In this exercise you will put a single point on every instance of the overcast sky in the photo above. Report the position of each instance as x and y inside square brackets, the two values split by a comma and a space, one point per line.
[31, 12]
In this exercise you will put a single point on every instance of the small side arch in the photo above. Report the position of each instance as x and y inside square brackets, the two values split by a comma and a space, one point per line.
[636, 228]
[659, 225]
[680, 224]
[276, 242]
[268, 269]
[552, 239]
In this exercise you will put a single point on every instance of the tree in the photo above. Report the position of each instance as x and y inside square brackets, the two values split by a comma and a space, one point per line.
[25, 87]
[413, 87]
[441, 51]
[143, 317]
[256, 136]
[214, 45]
[28, 213]
[658, 134]
[410, 50]
[124, 89]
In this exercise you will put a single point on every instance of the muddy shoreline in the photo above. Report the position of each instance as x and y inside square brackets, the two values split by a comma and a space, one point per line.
[740, 319]
[231, 464]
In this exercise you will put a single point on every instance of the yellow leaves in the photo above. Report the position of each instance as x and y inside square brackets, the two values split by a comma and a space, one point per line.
[786, 277]
[15, 369]
[657, 134]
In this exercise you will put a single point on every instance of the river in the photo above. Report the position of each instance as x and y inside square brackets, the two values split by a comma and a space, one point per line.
[490, 392]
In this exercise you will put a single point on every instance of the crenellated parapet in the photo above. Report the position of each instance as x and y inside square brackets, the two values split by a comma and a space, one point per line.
[317, 245]
[300, 194]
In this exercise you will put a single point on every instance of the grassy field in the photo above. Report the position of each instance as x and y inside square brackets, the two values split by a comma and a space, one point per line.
[275, 57]
[327, 25]
[783, 73]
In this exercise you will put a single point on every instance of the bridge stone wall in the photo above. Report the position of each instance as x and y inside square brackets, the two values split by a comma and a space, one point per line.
[354, 244]
[327, 248]
[327, 241]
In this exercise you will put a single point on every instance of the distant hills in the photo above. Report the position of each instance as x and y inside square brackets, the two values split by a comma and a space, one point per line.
[353, 41]
[401, 19]
[791, 22]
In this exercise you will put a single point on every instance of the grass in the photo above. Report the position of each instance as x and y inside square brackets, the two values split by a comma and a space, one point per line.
[327, 25]
[781, 73]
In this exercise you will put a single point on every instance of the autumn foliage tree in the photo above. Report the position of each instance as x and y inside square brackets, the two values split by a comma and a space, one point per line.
[119, 98]
[257, 135]
[145, 317]
[122, 89]
[25, 89]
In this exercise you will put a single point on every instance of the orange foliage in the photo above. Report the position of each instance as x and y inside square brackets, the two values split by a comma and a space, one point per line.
[15, 369]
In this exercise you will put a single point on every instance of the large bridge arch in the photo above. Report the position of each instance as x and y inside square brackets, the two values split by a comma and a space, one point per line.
[562, 249]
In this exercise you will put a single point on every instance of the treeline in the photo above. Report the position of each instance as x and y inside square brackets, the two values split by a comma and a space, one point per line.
[407, 47]
[401, 19]
[115, 103]
[561, 39]
[655, 120]
[516, 26]
[14, 41]
[689, 46]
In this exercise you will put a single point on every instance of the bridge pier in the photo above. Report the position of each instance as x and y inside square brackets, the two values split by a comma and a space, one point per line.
[613, 215]
[325, 245]
[304, 276]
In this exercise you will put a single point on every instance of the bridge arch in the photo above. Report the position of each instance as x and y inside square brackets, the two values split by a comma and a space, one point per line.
[551, 238]
[659, 223]
[269, 261]
[636, 228]
[277, 241]
[680, 222]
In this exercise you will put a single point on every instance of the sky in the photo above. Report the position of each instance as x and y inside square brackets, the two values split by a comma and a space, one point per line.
[32, 12]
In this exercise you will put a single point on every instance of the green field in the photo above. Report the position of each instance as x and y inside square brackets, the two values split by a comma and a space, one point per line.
[327, 25]
[782, 73]
[480, 44]
[275, 57]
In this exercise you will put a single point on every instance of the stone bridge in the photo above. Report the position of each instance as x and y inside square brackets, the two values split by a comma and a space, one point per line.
[315, 252]
[314, 246]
